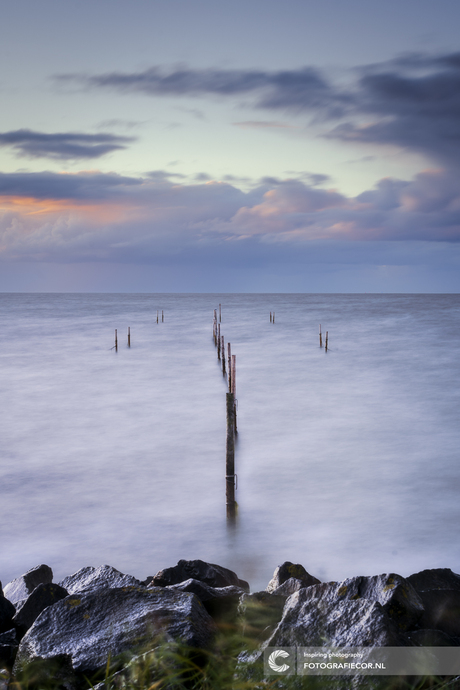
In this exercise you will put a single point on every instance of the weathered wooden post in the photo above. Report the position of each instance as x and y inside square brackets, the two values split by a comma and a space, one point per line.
[218, 341]
[116, 341]
[320, 337]
[230, 458]
[162, 316]
[229, 360]
[273, 317]
[220, 313]
[214, 327]
[157, 315]
[129, 337]
[233, 391]
[270, 317]
[222, 349]
[326, 340]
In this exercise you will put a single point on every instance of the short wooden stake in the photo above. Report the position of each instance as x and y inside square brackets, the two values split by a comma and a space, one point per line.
[220, 313]
[129, 337]
[320, 337]
[116, 341]
[230, 458]
[162, 316]
[326, 340]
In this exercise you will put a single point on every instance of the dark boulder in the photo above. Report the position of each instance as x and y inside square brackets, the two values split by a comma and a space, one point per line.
[289, 570]
[42, 597]
[219, 602]
[8, 647]
[89, 579]
[439, 590]
[209, 573]
[7, 612]
[89, 628]
[437, 578]
[21, 587]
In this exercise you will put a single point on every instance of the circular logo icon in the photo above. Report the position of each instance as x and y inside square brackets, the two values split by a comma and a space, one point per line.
[272, 661]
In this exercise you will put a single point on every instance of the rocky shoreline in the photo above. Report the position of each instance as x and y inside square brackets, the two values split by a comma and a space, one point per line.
[99, 618]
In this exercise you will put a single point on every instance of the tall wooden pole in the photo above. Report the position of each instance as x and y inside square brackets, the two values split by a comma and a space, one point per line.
[229, 360]
[129, 337]
[220, 313]
[230, 458]
[326, 340]
[222, 349]
[218, 341]
[320, 337]
[116, 341]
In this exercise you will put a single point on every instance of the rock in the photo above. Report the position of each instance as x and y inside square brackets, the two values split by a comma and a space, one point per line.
[437, 578]
[289, 587]
[8, 647]
[289, 570]
[219, 602]
[41, 597]
[397, 596]
[260, 613]
[318, 615]
[85, 629]
[7, 612]
[21, 587]
[430, 638]
[4, 679]
[89, 578]
[209, 573]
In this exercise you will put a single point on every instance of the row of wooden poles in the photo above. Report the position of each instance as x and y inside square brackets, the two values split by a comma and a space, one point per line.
[321, 339]
[228, 370]
[115, 347]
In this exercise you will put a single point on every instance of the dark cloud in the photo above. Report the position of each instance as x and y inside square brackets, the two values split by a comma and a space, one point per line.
[81, 187]
[300, 89]
[64, 145]
[412, 102]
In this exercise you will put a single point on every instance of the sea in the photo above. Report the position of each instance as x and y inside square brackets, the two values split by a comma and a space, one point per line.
[347, 461]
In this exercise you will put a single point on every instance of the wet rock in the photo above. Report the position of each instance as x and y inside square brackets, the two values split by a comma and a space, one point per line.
[7, 612]
[42, 597]
[89, 579]
[21, 587]
[85, 629]
[8, 647]
[219, 602]
[259, 614]
[289, 570]
[209, 573]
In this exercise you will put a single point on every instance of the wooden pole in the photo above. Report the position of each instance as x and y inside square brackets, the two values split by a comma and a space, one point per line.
[157, 315]
[218, 341]
[270, 317]
[222, 349]
[233, 391]
[129, 337]
[229, 360]
[220, 313]
[273, 317]
[230, 458]
[116, 341]
[320, 337]
[326, 340]
[162, 316]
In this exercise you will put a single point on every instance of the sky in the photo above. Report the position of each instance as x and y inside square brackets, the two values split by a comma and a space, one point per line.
[198, 146]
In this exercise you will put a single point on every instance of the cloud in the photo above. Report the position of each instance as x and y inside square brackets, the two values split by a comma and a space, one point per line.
[262, 124]
[106, 217]
[412, 102]
[64, 145]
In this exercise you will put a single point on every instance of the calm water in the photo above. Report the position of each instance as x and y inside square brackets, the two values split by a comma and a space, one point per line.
[347, 462]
